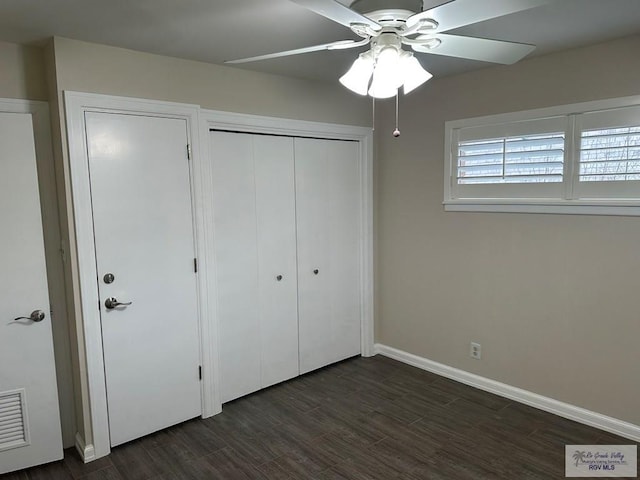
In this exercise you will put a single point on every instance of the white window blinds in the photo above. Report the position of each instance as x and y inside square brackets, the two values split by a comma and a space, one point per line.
[519, 159]
[610, 155]
[523, 159]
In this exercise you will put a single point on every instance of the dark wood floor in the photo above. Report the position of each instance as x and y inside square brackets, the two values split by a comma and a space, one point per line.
[360, 419]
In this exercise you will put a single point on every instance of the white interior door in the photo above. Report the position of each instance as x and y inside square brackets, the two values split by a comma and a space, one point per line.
[255, 243]
[29, 416]
[328, 228]
[141, 198]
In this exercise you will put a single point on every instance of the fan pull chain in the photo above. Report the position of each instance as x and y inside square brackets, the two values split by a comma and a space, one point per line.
[396, 132]
[373, 114]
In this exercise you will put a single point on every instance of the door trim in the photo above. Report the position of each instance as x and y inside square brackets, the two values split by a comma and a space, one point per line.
[96, 437]
[237, 122]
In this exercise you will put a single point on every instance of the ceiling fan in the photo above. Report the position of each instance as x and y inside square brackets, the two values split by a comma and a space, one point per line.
[387, 25]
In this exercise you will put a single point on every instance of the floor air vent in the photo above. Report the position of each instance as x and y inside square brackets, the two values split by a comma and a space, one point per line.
[13, 420]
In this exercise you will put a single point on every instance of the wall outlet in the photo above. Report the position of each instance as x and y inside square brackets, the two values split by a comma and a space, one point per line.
[475, 350]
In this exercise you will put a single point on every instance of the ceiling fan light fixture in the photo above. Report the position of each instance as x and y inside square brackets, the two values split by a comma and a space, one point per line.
[382, 91]
[388, 25]
[414, 74]
[387, 75]
[358, 77]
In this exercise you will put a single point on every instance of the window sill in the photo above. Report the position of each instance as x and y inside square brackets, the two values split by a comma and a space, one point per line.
[613, 208]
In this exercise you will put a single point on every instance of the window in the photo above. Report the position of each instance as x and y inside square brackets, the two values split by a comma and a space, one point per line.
[521, 159]
[581, 158]
[610, 155]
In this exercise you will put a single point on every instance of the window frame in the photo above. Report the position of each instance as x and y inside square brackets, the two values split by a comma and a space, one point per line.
[522, 201]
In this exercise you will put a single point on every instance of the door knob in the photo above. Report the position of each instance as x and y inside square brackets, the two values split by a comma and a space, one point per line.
[112, 303]
[36, 316]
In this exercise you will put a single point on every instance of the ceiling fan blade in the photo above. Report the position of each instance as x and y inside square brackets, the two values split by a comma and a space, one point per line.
[339, 45]
[338, 13]
[458, 13]
[473, 48]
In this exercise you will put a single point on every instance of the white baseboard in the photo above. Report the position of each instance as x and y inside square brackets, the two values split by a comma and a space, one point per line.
[566, 410]
[87, 452]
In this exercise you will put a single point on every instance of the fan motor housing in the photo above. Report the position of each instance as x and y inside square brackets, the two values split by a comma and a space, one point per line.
[370, 6]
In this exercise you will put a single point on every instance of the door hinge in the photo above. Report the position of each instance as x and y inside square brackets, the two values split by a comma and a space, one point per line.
[188, 152]
[195, 265]
[200, 372]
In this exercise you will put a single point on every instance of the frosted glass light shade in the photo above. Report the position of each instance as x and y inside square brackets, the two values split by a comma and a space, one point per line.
[390, 68]
[387, 76]
[379, 90]
[413, 73]
[358, 76]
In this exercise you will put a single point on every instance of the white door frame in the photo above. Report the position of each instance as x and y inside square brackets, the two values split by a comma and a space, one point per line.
[76, 105]
[237, 122]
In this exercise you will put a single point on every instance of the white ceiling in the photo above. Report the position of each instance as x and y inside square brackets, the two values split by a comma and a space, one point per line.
[218, 30]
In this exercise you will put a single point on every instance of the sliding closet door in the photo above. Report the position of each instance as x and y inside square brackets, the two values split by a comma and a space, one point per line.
[254, 220]
[328, 227]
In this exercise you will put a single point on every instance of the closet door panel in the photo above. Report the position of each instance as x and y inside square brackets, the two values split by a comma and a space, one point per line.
[236, 257]
[344, 257]
[276, 234]
[312, 193]
[327, 213]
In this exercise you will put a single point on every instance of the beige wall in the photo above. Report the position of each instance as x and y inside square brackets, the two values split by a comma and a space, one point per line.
[553, 299]
[88, 67]
[22, 72]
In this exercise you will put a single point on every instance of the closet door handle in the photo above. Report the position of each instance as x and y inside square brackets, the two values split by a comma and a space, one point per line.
[279, 278]
[316, 271]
